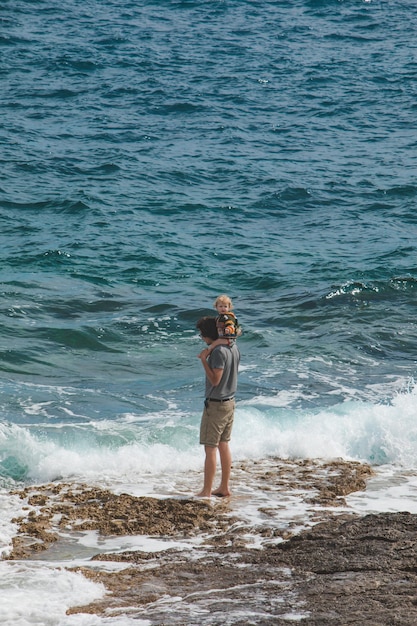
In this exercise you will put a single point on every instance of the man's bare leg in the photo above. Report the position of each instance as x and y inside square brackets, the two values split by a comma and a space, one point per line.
[226, 464]
[209, 471]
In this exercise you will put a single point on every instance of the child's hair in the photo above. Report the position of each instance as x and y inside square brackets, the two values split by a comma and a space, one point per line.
[223, 298]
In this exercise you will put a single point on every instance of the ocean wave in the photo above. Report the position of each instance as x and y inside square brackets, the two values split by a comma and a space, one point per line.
[54, 205]
[376, 290]
[137, 449]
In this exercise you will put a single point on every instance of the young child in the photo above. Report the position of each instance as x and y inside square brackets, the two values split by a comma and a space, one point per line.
[226, 321]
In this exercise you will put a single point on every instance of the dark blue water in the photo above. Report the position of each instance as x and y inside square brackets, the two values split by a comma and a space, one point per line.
[156, 154]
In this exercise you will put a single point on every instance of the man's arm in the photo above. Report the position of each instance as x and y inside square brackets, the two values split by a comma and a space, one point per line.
[214, 375]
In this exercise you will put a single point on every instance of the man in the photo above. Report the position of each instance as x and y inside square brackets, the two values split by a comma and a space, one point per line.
[221, 369]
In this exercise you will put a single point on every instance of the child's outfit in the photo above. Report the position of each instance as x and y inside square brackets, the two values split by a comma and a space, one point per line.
[228, 326]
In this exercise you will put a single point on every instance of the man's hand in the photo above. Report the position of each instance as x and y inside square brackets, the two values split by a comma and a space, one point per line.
[203, 354]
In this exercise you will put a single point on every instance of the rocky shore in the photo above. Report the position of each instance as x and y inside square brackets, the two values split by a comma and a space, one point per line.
[340, 569]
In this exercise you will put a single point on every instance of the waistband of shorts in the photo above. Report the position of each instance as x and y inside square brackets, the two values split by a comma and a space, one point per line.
[218, 399]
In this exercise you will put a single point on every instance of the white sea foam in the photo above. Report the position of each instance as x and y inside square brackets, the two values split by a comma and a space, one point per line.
[33, 593]
[125, 450]
[392, 489]
[10, 507]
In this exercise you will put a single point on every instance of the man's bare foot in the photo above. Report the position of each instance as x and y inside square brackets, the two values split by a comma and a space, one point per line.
[203, 494]
[221, 494]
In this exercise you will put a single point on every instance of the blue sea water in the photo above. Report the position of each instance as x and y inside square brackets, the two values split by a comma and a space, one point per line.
[157, 153]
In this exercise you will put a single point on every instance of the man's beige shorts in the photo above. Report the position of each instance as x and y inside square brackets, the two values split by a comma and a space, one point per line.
[217, 422]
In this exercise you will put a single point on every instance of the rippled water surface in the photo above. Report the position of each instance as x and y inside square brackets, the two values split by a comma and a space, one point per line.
[156, 154]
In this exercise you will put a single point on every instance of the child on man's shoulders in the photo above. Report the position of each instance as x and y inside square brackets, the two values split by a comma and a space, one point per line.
[227, 324]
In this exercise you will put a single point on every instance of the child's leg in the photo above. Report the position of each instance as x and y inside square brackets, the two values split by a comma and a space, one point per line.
[218, 342]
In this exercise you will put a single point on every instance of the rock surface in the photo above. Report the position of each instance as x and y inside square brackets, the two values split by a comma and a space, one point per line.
[356, 570]
[343, 570]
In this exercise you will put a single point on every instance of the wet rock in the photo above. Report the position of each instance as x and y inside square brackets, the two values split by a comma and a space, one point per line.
[343, 570]
[356, 570]
[85, 508]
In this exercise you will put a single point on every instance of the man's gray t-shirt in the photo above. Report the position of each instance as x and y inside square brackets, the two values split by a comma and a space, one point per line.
[225, 358]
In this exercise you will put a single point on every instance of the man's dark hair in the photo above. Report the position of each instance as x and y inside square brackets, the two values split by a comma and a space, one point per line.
[207, 327]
